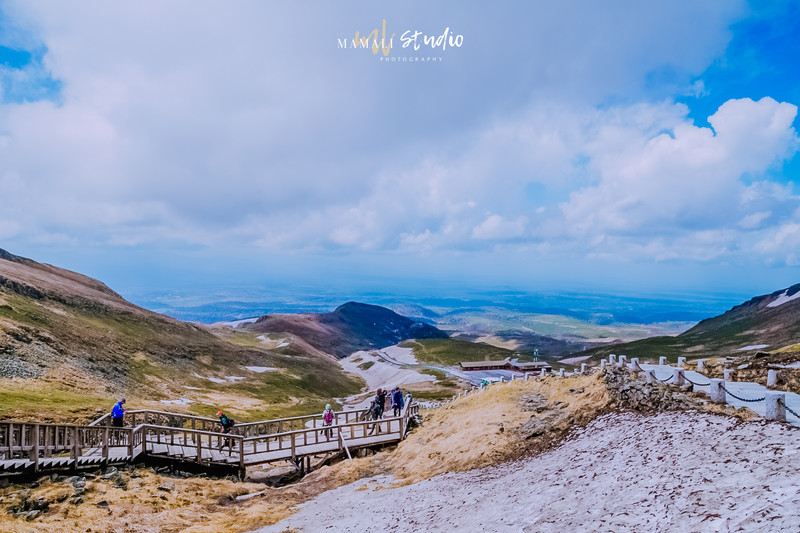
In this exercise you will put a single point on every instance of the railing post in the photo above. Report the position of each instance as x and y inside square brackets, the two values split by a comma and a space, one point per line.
[130, 443]
[701, 365]
[622, 361]
[294, 454]
[678, 376]
[651, 376]
[612, 359]
[583, 369]
[105, 446]
[727, 374]
[681, 362]
[772, 377]
[775, 404]
[561, 373]
[662, 361]
[199, 444]
[602, 366]
[717, 393]
[242, 468]
[36, 447]
[75, 445]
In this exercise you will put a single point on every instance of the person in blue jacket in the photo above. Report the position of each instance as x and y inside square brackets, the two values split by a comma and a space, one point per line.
[397, 401]
[117, 413]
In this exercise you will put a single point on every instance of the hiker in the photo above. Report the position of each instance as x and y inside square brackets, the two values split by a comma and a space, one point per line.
[397, 401]
[380, 403]
[327, 421]
[117, 413]
[376, 412]
[227, 425]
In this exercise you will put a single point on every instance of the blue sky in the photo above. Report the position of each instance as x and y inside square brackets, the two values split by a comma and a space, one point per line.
[602, 145]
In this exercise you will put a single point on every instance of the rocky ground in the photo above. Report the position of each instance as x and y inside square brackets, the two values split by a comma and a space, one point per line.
[624, 472]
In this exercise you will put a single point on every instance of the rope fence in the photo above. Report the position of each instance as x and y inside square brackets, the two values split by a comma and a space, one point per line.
[740, 398]
[783, 403]
[773, 399]
[697, 384]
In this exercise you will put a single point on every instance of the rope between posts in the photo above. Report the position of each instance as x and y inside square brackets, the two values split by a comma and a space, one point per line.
[663, 380]
[696, 384]
[785, 406]
[741, 399]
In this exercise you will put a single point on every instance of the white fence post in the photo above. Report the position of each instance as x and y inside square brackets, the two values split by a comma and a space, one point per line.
[717, 393]
[727, 374]
[602, 364]
[677, 374]
[772, 377]
[651, 376]
[612, 359]
[583, 368]
[681, 362]
[701, 365]
[662, 361]
[622, 360]
[775, 406]
[561, 373]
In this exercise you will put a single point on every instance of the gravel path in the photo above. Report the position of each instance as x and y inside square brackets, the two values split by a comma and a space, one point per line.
[625, 472]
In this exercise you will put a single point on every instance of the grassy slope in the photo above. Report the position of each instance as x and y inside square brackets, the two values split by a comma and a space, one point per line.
[451, 352]
[88, 356]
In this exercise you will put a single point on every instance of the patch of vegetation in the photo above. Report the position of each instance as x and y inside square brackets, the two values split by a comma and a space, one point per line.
[450, 352]
[367, 365]
[21, 401]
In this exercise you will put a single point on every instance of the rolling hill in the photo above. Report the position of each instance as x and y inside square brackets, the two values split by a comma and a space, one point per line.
[69, 345]
[350, 327]
[766, 322]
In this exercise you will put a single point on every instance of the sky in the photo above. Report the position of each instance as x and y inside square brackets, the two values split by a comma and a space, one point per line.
[615, 145]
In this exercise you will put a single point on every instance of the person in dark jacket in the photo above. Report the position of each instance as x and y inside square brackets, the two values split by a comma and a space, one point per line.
[227, 425]
[380, 403]
[117, 413]
[397, 401]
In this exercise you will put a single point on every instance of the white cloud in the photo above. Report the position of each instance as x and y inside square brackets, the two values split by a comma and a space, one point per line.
[498, 228]
[244, 125]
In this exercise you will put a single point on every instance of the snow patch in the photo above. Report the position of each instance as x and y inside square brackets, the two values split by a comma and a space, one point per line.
[179, 401]
[191, 388]
[753, 347]
[234, 378]
[237, 323]
[213, 380]
[791, 365]
[783, 298]
[260, 369]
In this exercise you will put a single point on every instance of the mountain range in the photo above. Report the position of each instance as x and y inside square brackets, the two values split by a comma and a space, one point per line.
[767, 322]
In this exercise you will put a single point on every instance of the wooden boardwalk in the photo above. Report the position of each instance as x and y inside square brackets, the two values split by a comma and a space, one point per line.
[169, 437]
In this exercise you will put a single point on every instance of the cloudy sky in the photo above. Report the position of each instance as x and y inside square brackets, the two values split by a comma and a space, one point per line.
[647, 145]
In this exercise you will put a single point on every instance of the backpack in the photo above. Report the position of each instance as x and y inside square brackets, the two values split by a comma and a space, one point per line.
[328, 417]
[228, 422]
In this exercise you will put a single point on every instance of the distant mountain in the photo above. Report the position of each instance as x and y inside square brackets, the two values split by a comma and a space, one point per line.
[350, 327]
[765, 322]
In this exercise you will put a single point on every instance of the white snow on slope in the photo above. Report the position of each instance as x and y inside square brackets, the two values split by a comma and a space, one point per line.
[753, 347]
[260, 369]
[783, 298]
[675, 471]
[236, 323]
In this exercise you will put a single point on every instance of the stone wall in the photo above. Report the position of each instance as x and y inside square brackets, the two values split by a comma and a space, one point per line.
[630, 391]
